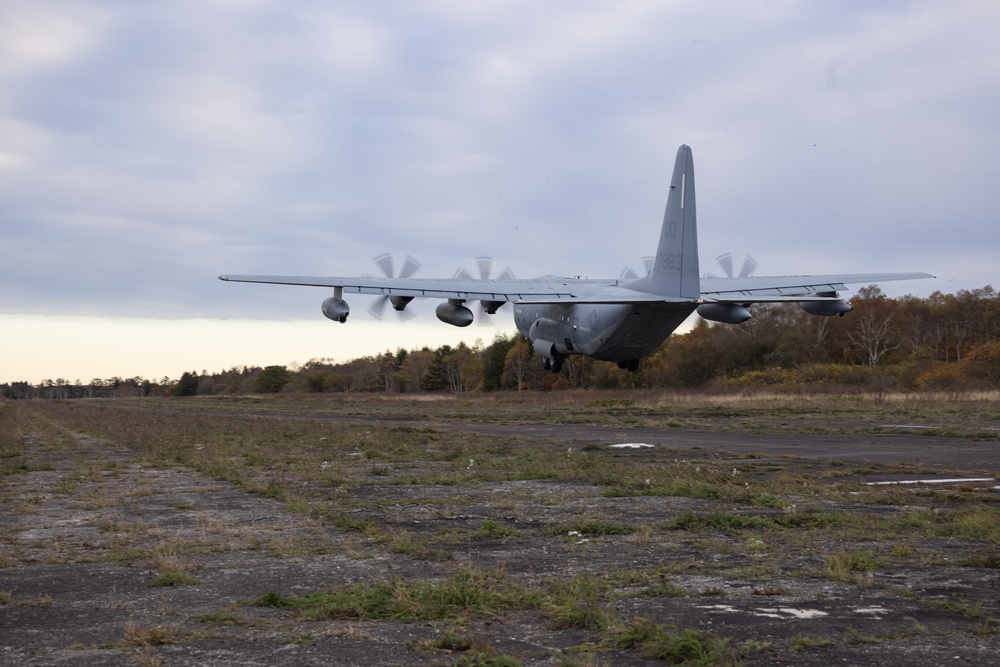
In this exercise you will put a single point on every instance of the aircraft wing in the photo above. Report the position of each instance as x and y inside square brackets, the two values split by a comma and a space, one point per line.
[543, 290]
[553, 289]
[791, 288]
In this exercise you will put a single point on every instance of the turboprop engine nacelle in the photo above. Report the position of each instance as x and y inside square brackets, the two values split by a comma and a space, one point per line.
[546, 349]
[454, 313]
[826, 308]
[336, 309]
[728, 313]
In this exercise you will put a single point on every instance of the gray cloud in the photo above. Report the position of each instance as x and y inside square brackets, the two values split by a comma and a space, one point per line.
[146, 148]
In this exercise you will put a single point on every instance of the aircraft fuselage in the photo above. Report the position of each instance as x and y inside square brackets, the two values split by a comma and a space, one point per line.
[608, 332]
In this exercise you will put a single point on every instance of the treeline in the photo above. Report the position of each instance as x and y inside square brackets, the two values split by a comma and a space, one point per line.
[115, 387]
[943, 342]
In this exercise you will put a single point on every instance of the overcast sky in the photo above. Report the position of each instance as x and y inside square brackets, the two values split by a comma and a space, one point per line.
[147, 147]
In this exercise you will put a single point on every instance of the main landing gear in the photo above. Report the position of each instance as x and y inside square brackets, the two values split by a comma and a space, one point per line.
[629, 365]
[554, 364]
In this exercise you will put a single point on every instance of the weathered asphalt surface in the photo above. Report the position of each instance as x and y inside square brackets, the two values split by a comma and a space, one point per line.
[947, 453]
[74, 592]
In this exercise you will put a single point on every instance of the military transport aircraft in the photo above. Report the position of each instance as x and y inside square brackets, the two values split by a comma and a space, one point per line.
[619, 320]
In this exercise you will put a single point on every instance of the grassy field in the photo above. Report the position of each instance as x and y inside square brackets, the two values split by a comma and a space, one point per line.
[392, 530]
[974, 414]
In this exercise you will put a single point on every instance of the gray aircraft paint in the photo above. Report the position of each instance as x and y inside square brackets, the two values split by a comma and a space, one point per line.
[675, 265]
[610, 320]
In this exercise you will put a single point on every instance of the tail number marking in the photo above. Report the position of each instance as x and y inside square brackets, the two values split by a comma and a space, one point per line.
[669, 261]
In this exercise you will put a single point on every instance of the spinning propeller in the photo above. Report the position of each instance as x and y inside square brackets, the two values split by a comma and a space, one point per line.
[630, 274]
[485, 265]
[725, 261]
[410, 266]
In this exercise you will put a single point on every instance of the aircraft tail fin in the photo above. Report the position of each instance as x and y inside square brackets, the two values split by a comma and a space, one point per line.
[675, 268]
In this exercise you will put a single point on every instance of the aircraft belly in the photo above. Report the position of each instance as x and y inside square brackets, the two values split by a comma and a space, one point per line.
[609, 332]
[595, 325]
[642, 331]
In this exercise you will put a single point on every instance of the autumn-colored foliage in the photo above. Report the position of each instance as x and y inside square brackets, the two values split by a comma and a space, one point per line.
[945, 342]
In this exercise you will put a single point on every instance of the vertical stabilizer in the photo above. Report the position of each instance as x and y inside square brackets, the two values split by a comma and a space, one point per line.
[675, 268]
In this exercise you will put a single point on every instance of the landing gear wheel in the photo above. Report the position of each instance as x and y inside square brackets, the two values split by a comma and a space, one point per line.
[547, 364]
[629, 365]
[557, 363]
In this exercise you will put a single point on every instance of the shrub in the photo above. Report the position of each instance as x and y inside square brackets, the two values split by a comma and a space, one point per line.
[272, 380]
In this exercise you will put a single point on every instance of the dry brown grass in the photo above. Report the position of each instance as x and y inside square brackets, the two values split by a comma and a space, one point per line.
[145, 636]
[168, 559]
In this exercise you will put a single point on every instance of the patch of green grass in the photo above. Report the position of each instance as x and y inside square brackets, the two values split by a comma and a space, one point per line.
[801, 642]
[175, 579]
[637, 633]
[676, 647]
[147, 636]
[578, 603]
[492, 529]
[485, 659]
[717, 520]
[611, 403]
[979, 523]
[591, 527]
[473, 653]
[821, 519]
[986, 628]
[451, 640]
[766, 500]
[849, 565]
[274, 490]
[469, 592]
[990, 561]
[854, 636]
[352, 524]
[664, 589]
[415, 545]
[683, 486]
[222, 618]
[298, 507]
[126, 555]
[853, 561]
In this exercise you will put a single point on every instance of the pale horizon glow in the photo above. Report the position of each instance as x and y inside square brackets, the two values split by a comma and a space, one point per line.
[88, 348]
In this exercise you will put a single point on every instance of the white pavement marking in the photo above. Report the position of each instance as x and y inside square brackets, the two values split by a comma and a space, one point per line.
[957, 480]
